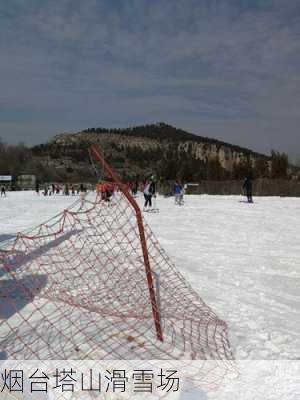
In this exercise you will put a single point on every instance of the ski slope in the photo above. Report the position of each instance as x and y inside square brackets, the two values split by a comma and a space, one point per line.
[243, 259]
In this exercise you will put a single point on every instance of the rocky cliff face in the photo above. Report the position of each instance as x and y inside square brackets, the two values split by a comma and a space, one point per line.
[163, 138]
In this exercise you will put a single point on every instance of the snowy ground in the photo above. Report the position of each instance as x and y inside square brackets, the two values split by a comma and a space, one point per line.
[243, 259]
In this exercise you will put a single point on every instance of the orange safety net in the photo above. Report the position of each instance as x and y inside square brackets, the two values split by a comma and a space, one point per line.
[76, 287]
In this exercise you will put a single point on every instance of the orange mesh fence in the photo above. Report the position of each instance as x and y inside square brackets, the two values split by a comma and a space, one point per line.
[76, 287]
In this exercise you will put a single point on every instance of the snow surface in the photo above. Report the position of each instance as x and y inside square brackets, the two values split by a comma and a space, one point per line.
[243, 259]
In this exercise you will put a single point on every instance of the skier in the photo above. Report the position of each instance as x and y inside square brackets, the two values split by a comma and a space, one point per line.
[149, 192]
[178, 193]
[247, 187]
[82, 195]
[66, 191]
[109, 191]
[134, 188]
[152, 186]
[3, 191]
[147, 195]
[153, 194]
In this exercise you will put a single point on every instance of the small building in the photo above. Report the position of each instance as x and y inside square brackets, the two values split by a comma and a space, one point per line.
[191, 188]
[5, 180]
[26, 182]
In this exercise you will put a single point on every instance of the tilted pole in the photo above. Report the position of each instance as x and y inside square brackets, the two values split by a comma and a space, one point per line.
[155, 310]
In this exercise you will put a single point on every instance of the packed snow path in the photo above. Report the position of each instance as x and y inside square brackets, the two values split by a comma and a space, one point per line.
[243, 259]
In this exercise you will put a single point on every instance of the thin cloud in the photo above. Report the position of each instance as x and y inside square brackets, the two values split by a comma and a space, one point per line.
[222, 69]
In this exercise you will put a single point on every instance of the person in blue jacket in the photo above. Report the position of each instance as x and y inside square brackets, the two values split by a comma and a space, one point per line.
[178, 193]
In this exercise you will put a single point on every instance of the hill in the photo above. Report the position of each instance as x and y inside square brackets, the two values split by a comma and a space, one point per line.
[136, 152]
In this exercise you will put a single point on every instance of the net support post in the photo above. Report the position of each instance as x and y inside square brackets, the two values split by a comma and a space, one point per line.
[155, 309]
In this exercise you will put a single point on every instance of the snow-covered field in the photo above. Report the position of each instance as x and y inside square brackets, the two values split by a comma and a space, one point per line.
[243, 259]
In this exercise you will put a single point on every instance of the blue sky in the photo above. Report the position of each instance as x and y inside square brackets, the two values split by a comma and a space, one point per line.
[227, 69]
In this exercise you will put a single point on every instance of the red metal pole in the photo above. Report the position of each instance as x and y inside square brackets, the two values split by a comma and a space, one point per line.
[155, 310]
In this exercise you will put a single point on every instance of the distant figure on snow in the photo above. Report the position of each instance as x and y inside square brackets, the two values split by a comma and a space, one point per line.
[147, 196]
[134, 188]
[178, 193]
[149, 191]
[82, 188]
[247, 187]
[82, 193]
[153, 186]
[3, 191]
[66, 191]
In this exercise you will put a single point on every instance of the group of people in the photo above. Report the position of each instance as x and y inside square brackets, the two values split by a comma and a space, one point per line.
[55, 189]
[106, 190]
[149, 191]
[148, 188]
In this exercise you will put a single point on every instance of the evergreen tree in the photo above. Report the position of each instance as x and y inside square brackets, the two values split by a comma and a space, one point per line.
[215, 171]
[279, 164]
[261, 169]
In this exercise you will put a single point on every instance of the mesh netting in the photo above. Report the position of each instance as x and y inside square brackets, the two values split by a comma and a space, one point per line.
[76, 287]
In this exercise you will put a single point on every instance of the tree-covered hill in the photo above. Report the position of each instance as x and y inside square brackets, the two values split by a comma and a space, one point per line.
[137, 152]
